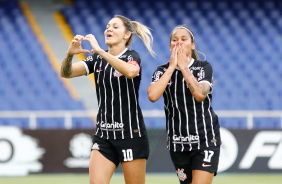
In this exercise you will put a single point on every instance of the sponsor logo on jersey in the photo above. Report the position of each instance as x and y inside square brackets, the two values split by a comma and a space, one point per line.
[213, 141]
[185, 140]
[181, 175]
[196, 68]
[95, 146]
[200, 74]
[170, 83]
[116, 126]
[99, 70]
[90, 58]
[136, 130]
[205, 165]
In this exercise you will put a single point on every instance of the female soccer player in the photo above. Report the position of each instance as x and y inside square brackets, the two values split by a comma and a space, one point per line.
[120, 131]
[192, 126]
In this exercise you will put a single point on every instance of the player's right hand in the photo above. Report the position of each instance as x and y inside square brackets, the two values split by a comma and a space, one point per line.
[173, 57]
[75, 46]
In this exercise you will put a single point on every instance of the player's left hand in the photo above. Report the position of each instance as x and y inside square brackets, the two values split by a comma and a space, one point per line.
[92, 40]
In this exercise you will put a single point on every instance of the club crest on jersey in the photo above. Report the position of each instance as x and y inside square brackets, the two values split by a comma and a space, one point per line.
[157, 75]
[99, 57]
[95, 146]
[117, 73]
[201, 74]
[181, 175]
[129, 58]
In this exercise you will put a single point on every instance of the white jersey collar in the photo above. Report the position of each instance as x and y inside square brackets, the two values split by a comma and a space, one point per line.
[190, 64]
[122, 53]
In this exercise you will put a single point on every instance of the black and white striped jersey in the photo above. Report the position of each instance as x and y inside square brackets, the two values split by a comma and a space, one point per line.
[190, 125]
[119, 114]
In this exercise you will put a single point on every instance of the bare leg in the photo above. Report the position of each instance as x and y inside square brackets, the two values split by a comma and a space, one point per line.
[134, 171]
[201, 177]
[100, 168]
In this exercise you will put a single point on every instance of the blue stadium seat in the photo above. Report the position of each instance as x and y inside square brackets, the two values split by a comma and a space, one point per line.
[28, 80]
[267, 123]
[241, 39]
[83, 123]
[50, 123]
[233, 123]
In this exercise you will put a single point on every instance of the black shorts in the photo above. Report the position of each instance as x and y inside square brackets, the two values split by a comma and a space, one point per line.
[122, 150]
[185, 162]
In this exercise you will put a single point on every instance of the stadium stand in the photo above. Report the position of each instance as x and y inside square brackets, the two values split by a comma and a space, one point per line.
[241, 39]
[27, 79]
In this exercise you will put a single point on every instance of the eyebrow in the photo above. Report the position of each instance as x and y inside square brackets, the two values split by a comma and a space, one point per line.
[113, 24]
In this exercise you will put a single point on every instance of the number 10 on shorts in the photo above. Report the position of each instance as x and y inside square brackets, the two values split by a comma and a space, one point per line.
[127, 155]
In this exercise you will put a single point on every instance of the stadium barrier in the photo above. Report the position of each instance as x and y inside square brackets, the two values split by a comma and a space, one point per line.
[68, 115]
[68, 151]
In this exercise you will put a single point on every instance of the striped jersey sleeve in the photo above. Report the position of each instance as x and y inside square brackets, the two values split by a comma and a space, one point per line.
[89, 63]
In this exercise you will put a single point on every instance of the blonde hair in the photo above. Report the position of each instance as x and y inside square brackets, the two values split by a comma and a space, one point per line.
[194, 51]
[141, 30]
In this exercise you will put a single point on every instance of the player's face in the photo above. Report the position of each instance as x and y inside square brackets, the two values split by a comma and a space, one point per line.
[115, 32]
[182, 36]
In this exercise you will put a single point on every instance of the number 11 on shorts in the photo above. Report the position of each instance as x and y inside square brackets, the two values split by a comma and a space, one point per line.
[127, 155]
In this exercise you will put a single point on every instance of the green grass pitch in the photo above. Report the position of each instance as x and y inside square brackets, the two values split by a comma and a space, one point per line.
[150, 179]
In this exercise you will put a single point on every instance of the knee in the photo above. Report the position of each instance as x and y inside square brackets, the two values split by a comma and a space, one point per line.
[98, 181]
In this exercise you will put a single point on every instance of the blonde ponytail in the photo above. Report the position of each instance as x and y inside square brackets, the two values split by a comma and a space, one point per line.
[145, 34]
[141, 30]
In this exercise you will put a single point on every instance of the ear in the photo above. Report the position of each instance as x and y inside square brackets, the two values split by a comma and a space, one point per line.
[193, 46]
[127, 35]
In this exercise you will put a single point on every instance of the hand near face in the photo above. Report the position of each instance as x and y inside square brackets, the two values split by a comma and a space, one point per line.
[173, 57]
[92, 40]
[75, 46]
[181, 56]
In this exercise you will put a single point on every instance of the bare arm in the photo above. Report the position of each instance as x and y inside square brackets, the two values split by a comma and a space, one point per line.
[128, 70]
[69, 70]
[156, 90]
[198, 90]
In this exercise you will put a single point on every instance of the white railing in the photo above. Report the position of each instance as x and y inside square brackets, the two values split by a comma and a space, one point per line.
[68, 115]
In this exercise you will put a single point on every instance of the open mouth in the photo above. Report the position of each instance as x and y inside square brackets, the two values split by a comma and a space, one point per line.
[109, 35]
